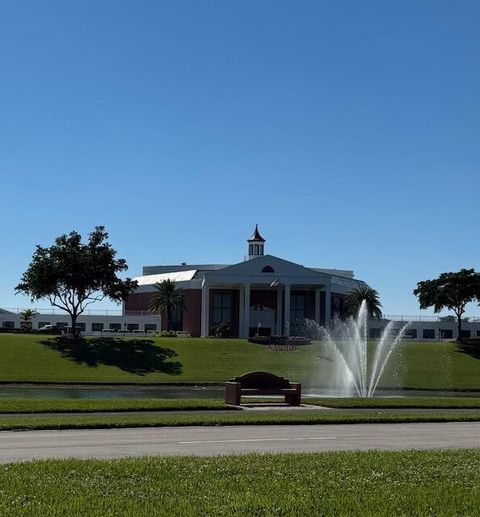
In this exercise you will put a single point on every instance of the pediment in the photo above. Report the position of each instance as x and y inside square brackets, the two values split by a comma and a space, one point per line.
[268, 266]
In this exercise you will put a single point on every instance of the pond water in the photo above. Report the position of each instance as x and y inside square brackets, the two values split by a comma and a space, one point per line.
[108, 392]
[182, 392]
[385, 393]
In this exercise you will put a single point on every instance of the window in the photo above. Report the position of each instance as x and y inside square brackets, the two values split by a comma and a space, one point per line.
[250, 249]
[261, 249]
[150, 327]
[82, 327]
[428, 333]
[43, 323]
[97, 327]
[9, 324]
[176, 322]
[256, 249]
[297, 307]
[268, 269]
[446, 334]
[411, 333]
[375, 333]
[61, 325]
[465, 334]
[478, 333]
[222, 308]
[115, 326]
[132, 326]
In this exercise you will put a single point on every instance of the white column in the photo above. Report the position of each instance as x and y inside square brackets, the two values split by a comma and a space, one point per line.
[241, 312]
[279, 311]
[246, 309]
[205, 309]
[287, 310]
[328, 306]
[317, 305]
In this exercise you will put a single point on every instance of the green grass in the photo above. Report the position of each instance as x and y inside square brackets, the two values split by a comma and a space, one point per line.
[20, 406]
[104, 421]
[435, 483]
[108, 405]
[397, 402]
[34, 358]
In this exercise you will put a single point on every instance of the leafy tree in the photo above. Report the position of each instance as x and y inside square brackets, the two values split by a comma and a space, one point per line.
[26, 317]
[72, 275]
[167, 299]
[354, 300]
[452, 291]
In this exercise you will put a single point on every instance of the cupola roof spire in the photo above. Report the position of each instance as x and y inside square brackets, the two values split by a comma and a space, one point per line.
[256, 237]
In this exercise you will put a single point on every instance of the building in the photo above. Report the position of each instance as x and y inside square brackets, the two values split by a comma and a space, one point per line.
[263, 294]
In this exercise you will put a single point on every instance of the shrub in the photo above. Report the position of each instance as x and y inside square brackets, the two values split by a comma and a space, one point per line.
[168, 333]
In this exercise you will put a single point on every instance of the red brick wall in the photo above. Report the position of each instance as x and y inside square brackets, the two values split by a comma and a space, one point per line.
[138, 302]
[192, 317]
[265, 298]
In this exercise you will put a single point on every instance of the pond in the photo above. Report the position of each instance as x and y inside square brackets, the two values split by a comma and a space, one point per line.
[32, 391]
[108, 392]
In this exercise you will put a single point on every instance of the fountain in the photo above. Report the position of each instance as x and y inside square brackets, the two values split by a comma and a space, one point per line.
[354, 371]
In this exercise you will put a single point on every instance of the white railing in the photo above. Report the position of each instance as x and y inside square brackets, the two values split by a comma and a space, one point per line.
[88, 312]
[429, 318]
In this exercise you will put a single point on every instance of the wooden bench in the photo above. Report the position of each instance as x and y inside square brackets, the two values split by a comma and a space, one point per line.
[262, 383]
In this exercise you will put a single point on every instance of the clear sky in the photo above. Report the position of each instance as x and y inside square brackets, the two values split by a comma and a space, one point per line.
[349, 131]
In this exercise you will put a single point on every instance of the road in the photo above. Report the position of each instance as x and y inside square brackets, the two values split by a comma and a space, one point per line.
[169, 441]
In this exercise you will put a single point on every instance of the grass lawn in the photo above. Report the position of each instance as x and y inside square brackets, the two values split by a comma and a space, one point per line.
[107, 405]
[328, 484]
[105, 421]
[25, 406]
[37, 358]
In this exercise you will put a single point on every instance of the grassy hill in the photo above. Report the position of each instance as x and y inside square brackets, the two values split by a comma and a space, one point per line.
[110, 360]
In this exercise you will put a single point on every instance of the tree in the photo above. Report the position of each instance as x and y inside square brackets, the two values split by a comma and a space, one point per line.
[26, 316]
[354, 300]
[167, 299]
[452, 291]
[73, 275]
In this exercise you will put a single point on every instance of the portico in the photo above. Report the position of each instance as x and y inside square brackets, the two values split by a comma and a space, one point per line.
[266, 295]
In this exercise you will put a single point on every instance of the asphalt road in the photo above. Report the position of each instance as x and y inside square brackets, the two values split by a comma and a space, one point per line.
[168, 441]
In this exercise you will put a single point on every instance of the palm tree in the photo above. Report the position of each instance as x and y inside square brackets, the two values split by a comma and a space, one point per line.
[27, 316]
[167, 299]
[354, 300]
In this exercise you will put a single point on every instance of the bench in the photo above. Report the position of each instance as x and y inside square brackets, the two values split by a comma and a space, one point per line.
[262, 383]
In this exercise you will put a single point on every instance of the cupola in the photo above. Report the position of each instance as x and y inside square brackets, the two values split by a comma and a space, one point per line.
[255, 245]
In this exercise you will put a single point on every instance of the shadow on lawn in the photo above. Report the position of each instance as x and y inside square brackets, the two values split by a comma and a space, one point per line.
[138, 356]
[470, 347]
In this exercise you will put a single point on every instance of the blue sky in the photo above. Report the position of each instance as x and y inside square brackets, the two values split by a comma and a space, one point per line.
[349, 131]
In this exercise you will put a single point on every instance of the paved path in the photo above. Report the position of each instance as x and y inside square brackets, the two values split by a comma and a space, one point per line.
[117, 443]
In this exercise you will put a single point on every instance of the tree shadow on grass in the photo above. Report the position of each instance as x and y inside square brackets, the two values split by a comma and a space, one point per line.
[138, 356]
[470, 347]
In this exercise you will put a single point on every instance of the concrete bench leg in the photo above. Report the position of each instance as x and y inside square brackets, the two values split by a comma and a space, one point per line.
[294, 399]
[233, 393]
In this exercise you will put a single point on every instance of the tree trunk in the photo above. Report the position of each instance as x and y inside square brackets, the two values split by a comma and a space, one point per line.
[459, 326]
[74, 325]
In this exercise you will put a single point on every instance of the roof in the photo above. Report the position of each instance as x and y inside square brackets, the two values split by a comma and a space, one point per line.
[156, 270]
[348, 273]
[256, 236]
[175, 276]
